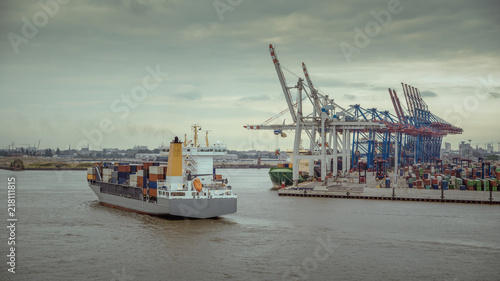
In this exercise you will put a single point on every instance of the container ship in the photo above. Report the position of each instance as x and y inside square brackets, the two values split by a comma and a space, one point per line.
[186, 187]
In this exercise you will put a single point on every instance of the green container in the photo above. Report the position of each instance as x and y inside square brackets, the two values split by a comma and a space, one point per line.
[451, 187]
[494, 188]
[478, 185]
[486, 185]
[427, 187]
[470, 183]
[410, 180]
[421, 171]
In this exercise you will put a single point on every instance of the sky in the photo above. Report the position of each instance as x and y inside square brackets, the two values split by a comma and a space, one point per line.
[121, 73]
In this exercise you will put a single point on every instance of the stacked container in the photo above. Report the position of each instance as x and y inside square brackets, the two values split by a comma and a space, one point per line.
[155, 173]
[106, 174]
[133, 180]
[91, 174]
[123, 173]
[140, 178]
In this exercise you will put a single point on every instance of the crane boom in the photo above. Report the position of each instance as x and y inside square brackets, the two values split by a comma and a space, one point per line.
[314, 92]
[281, 77]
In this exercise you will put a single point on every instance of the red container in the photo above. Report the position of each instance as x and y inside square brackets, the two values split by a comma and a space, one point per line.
[144, 191]
[146, 165]
[153, 192]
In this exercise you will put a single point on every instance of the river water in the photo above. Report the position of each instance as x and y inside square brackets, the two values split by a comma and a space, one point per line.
[62, 233]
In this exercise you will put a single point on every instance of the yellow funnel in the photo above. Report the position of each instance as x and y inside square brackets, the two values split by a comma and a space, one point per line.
[174, 168]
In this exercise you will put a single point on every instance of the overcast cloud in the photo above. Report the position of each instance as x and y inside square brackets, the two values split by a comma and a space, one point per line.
[60, 82]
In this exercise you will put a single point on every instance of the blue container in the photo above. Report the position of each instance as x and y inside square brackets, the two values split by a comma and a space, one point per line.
[401, 172]
[152, 184]
[133, 169]
[426, 176]
[435, 186]
[410, 185]
[444, 185]
[388, 183]
[115, 168]
[113, 180]
[463, 187]
[144, 182]
[121, 181]
[123, 175]
[156, 164]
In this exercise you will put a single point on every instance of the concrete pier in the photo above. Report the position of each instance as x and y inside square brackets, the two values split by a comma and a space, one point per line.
[349, 190]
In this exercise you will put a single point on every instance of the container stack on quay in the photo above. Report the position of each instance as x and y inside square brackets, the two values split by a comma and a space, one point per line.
[426, 176]
[145, 176]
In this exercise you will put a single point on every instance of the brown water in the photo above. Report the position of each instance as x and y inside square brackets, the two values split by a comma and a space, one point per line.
[64, 234]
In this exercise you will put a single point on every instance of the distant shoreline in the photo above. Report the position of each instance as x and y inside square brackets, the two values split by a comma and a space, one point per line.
[51, 165]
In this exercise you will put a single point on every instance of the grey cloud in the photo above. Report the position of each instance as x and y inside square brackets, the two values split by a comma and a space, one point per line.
[428, 94]
[255, 98]
[495, 95]
[187, 92]
[349, 97]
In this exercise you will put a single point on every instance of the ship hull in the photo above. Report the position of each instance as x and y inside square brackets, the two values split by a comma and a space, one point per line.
[282, 175]
[191, 208]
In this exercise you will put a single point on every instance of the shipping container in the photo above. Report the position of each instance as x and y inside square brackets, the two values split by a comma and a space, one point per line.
[152, 185]
[124, 168]
[153, 177]
[444, 185]
[156, 170]
[152, 192]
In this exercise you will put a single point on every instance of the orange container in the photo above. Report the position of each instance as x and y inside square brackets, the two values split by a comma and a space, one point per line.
[144, 191]
[123, 168]
[153, 177]
[140, 181]
[218, 177]
[153, 192]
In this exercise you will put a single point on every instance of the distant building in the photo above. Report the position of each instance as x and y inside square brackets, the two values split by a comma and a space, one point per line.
[489, 148]
[447, 146]
[140, 147]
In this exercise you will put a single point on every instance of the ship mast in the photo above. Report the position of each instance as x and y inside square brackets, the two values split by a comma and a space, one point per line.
[196, 127]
